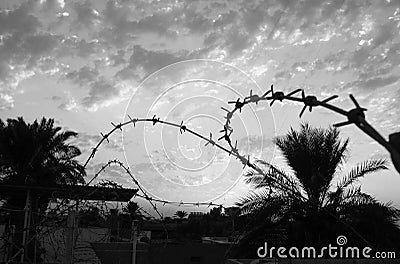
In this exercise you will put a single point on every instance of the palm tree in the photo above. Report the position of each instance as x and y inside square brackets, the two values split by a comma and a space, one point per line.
[180, 214]
[312, 202]
[35, 154]
[133, 210]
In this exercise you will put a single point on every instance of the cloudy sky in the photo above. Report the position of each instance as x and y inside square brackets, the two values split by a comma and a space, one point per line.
[89, 63]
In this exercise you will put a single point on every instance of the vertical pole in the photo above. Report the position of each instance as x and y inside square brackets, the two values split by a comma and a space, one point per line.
[69, 252]
[26, 224]
[134, 241]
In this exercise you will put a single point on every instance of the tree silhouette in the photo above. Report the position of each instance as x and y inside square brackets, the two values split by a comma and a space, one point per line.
[180, 214]
[35, 154]
[320, 205]
[133, 210]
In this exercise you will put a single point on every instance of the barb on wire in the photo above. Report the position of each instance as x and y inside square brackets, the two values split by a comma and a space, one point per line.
[226, 135]
[155, 120]
[311, 101]
[355, 115]
[105, 136]
[238, 104]
[133, 120]
[280, 95]
[182, 128]
[234, 150]
[254, 98]
[210, 141]
[119, 126]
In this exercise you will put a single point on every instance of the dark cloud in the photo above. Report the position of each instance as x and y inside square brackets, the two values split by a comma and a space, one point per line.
[283, 75]
[85, 14]
[4, 70]
[74, 46]
[19, 21]
[83, 76]
[101, 90]
[40, 44]
[143, 62]
[375, 82]
[122, 22]
[236, 42]
[384, 33]
[118, 58]
[337, 60]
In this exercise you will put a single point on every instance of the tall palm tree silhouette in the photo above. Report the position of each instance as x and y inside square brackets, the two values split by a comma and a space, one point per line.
[35, 154]
[312, 202]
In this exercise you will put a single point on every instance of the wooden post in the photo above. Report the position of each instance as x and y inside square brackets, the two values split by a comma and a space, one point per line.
[69, 243]
[25, 233]
[134, 241]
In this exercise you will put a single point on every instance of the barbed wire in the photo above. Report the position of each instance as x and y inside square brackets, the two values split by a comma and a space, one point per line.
[354, 116]
[150, 197]
[145, 195]
[231, 150]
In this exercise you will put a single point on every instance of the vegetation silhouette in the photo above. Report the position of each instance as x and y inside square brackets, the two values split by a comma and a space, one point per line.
[323, 205]
[35, 154]
[181, 214]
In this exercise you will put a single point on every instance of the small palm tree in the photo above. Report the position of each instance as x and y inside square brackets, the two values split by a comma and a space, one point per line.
[180, 214]
[313, 202]
[133, 209]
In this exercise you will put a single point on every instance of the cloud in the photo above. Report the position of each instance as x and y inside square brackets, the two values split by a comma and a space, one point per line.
[254, 144]
[113, 173]
[73, 46]
[377, 82]
[83, 76]
[24, 51]
[143, 62]
[236, 42]
[384, 33]
[18, 21]
[283, 75]
[40, 44]
[100, 91]
[87, 141]
[52, 5]
[6, 101]
[85, 15]
[118, 58]
[122, 22]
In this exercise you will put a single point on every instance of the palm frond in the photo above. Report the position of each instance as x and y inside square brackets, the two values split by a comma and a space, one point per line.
[254, 201]
[272, 177]
[360, 170]
[355, 196]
